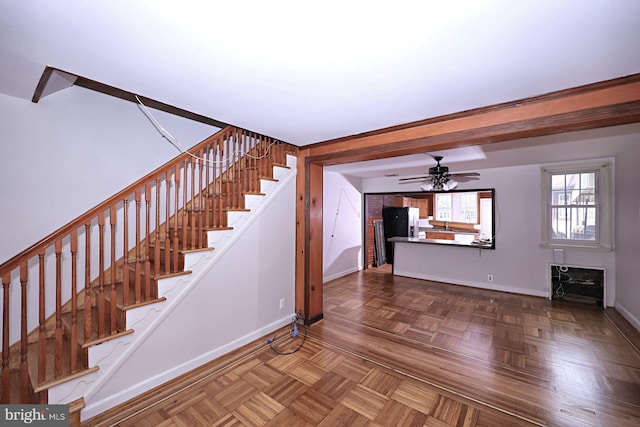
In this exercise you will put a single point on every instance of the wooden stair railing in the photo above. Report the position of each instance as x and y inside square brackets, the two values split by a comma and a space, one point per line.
[71, 289]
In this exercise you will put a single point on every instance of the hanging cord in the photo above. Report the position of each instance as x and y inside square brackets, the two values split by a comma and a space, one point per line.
[174, 141]
[293, 333]
[560, 289]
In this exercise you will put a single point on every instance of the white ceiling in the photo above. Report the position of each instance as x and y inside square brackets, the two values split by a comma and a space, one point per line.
[305, 72]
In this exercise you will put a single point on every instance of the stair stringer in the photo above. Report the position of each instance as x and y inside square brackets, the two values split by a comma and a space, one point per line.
[113, 354]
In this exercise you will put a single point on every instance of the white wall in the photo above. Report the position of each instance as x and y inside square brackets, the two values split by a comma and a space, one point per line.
[628, 231]
[519, 264]
[342, 225]
[235, 302]
[72, 150]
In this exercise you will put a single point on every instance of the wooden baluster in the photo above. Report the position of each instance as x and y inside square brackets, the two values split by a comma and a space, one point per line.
[6, 376]
[246, 156]
[88, 297]
[273, 152]
[193, 221]
[225, 174]
[101, 298]
[247, 163]
[243, 163]
[138, 265]
[278, 152]
[259, 172]
[231, 171]
[217, 179]
[258, 155]
[221, 200]
[238, 166]
[58, 308]
[237, 202]
[147, 251]
[42, 329]
[217, 186]
[176, 198]
[156, 264]
[167, 233]
[125, 251]
[74, 300]
[112, 318]
[202, 191]
[185, 210]
[207, 189]
[267, 157]
[24, 367]
[257, 160]
[253, 176]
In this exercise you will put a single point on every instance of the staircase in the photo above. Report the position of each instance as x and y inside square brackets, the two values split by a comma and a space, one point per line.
[81, 285]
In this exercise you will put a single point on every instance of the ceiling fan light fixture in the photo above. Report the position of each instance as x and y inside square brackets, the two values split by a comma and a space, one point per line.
[439, 178]
[449, 185]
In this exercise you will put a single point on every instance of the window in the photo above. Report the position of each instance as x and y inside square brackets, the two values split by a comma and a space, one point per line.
[457, 207]
[443, 207]
[577, 206]
[469, 208]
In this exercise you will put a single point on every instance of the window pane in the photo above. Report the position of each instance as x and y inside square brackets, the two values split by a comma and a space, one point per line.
[573, 212]
[583, 226]
[443, 200]
[468, 208]
[443, 207]
[577, 208]
[557, 182]
[559, 223]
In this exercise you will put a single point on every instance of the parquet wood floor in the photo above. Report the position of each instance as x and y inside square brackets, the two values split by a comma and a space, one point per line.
[395, 351]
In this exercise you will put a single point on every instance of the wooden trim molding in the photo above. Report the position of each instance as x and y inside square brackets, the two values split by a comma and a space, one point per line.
[575, 110]
[586, 89]
[42, 84]
[124, 95]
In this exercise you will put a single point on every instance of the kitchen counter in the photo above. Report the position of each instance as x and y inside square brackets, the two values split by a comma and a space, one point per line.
[453, 242]
[442, 230]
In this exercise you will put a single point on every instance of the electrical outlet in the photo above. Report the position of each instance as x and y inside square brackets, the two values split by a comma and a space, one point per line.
[490, 277]
[282, 301]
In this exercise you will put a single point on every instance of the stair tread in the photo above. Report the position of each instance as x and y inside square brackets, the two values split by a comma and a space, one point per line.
[80, 322]
[50, 374]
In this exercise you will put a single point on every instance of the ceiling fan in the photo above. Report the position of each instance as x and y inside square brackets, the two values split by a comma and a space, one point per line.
[439, 178]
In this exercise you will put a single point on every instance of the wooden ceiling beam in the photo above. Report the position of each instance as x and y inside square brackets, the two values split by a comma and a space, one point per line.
[610, 103]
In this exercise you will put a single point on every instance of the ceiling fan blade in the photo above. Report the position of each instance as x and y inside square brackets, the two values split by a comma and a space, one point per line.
[465, 174]
[416, 178]
[465, 178]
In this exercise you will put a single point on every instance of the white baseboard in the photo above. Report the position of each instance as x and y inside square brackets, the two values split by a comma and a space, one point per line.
[96, 408]
[627, 315]
[493, 287]
[334, 276]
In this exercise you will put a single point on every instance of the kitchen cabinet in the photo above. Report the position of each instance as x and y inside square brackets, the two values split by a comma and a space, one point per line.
[423, 205]
[439, 235]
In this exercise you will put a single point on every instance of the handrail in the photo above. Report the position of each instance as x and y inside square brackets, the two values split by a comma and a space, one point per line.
[118, 249]
[13, 262]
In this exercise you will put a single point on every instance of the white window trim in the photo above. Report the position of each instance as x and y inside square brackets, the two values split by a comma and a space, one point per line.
[605, 197]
